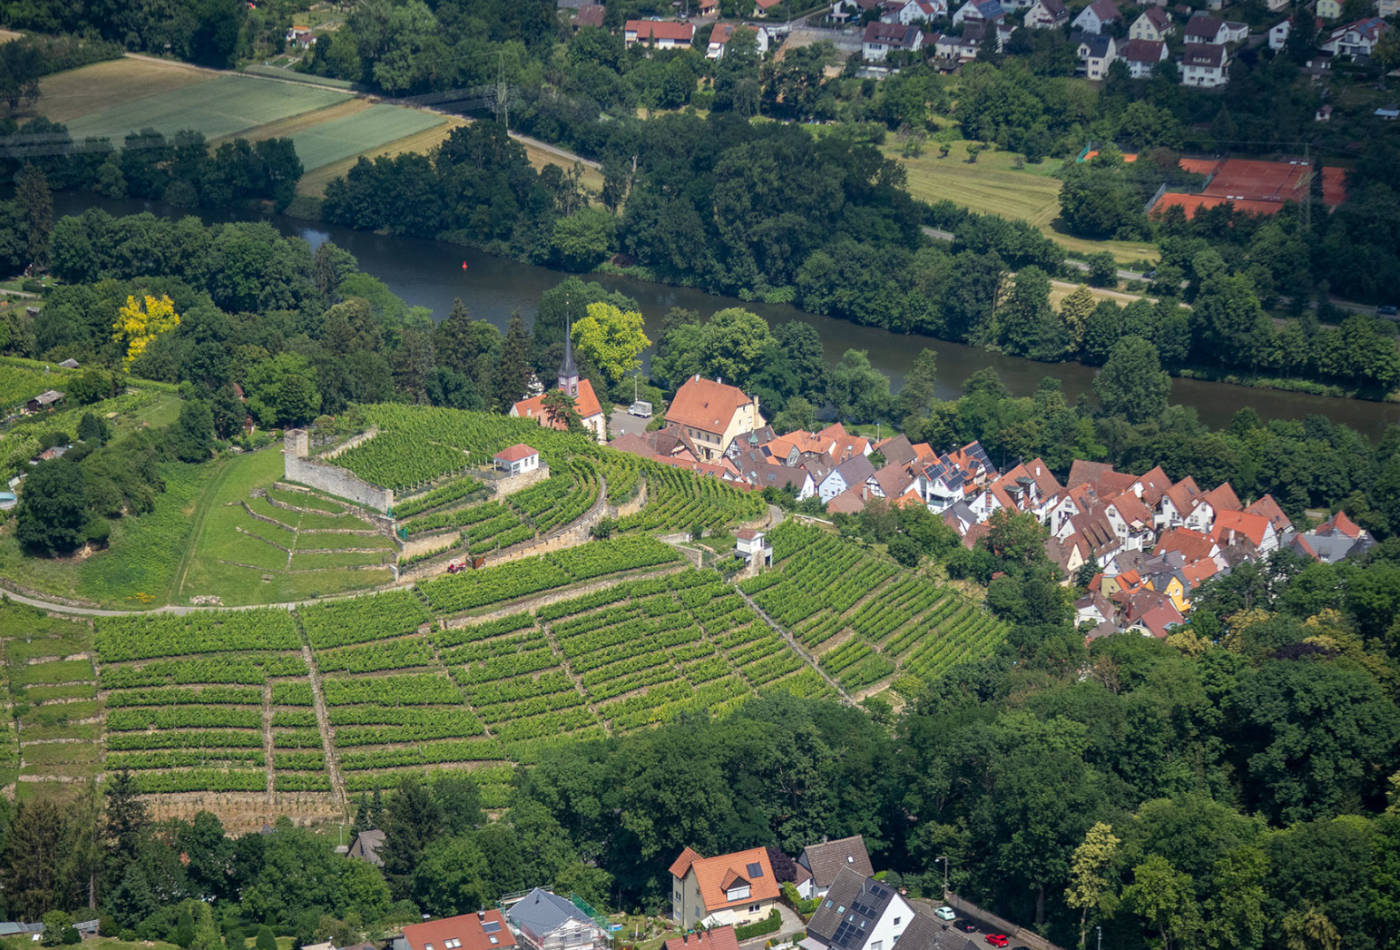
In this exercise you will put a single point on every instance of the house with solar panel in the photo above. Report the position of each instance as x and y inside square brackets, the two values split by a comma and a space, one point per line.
[818, 864]
[858, 913]
[737, 888]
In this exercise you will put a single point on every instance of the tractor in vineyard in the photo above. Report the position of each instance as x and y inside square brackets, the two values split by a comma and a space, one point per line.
[466, 564]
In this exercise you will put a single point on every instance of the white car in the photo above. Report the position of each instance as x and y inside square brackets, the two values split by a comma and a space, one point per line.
[945, 913]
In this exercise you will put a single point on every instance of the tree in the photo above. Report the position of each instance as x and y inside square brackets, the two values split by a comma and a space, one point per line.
[126, 818]
[920, 386]
[1090, 889]
[859, 392]
[192, 436]
[612, 340]
[798, 414]
[282, 391]
[513, 377]
[1309, 929]
[1074, 314]
[59, 929]
[138, 323]
[581, 240]
[36, 844]
[1026, 325]
[412, 820]
[559, 408]
[1132, 383]
[1163, 897]
[265, 940]
[93, 430]
[52, 515]
[32, 193]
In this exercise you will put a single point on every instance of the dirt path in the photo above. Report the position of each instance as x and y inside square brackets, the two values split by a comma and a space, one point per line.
[795, 646]
[323, 722]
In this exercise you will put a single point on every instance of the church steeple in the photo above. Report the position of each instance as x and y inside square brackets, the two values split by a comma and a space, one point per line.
[568, 372]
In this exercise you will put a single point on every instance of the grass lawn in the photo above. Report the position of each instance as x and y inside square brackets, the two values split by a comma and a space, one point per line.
[93, 89]
[241, 567]
[313, 183]
[218, 106]
[56, 671]
[994, 185]
[349, 135]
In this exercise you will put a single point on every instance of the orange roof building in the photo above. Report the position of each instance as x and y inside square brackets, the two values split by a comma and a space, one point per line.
[484, 930]
[580, 390]
[720, 938]
[729, 889]
[713, 414]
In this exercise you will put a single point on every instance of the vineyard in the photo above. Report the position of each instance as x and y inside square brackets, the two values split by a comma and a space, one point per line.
[868, 620]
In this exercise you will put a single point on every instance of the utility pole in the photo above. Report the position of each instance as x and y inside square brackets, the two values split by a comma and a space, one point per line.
[944, 859]
[1099, 929]
[502, 92]
[1308, 201]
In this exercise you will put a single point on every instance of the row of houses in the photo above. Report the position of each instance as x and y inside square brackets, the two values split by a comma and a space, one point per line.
[538, 920]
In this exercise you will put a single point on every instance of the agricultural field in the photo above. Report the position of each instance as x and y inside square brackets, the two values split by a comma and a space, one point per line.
[870, 623]
[22, 380]
[994, 185]
[256, 542]
[52, 712]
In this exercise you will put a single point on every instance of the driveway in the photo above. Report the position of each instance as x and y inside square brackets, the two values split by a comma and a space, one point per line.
[792, 924]
[623, 422]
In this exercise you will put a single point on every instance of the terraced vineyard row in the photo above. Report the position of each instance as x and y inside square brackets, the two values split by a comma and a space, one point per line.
[867, 619]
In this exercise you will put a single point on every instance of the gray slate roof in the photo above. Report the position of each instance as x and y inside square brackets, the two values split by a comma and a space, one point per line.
[826, 860]
[848, 913]
[540, 912]
[930, 933]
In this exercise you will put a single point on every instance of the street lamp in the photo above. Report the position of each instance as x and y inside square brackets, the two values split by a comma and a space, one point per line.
[944, 859]
[1098, 928]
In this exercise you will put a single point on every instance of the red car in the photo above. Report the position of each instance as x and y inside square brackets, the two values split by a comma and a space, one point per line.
[997, 940]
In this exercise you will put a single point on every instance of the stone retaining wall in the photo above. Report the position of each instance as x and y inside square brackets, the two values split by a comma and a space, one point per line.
[332, 479]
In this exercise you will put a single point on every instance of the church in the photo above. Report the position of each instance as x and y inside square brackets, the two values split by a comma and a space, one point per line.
[585, 400]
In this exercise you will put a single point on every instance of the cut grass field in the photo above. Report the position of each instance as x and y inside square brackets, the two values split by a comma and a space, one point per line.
[313, 183]
[993, 185]
[92, 90]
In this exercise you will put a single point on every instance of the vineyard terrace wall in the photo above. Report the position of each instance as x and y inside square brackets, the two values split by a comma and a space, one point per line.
[333, 480]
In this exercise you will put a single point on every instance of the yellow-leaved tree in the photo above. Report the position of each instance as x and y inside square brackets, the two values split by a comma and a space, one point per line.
[140, 322]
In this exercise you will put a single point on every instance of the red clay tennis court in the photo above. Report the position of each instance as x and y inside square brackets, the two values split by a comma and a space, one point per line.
[1252, 186]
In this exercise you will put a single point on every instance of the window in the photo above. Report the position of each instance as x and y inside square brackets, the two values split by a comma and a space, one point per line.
[896, 921]
[753, 908]
[452, 943]
[877, 945]
[494, 941]
[737, 893]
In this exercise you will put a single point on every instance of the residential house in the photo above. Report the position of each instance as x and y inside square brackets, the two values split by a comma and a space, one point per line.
[851, 473]
[546, 921]
[708, 8]
[1236, 32]
[1096, 53]
[1098, 16]
[926, 932]
[1204, 28]
[661, 34]
[720, 938]
[1270, 509]
[366, 846]
[1355, 39]
[1337, 538]
[484, 930]
[909, 12]
[985, 11]
[751, 544]
[1029, 487]
[1157, 621]
[961, 48]
[300, 37]
[1385, 9]
[719, 37]
[1278, 34]
[590, 14]
[1142, 56]
[762, 7]
[1046, 15]
[1192, 546]
[842, 10]
[517, 459]
[1154, 23]
[733, 888]
[858, 913]
[819, 864]
[1131, 520]
[586, 403]
[712, 414]
[1241, 527]
[1177, 503]
[760, 472]
[892, 481]
[1329, 9]
[1274, 6]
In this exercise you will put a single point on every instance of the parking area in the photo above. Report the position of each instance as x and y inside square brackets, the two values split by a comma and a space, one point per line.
[980, 933]
[622, 422]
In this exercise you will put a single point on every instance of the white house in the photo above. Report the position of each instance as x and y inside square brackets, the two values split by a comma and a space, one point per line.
[858, 913]
[1205, 65]
[1097, 16]
[1355, 39]
[849, 474]
[662, 34]
[750, 543]
[881, 39]
[987, 11]
[1329, 9]
[819, 864]
[546, 921]
[1096, 53]
[722, 32]
[517, 459]
[909, 12]
[1204, 28]
[1152, 24]
[1142, 56]
[1278, 34]
[1046, 15]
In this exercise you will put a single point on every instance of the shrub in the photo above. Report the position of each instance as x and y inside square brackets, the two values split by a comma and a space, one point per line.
[767, 925]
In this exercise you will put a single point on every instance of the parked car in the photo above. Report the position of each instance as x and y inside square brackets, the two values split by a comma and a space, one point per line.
[1386, 310]
[966, 926]
[997, 940]
[945, 913]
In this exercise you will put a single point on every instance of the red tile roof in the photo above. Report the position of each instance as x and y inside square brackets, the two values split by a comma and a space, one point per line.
[586, 404]
[1200, 572]
[1192, 545]
[1222, 498]
[515, 453]
[1341, 524]
[716, 875]
[719, 938]
[484, 930]
[706, 404]
[1269, 508]
[1235, 524]
[661, 30]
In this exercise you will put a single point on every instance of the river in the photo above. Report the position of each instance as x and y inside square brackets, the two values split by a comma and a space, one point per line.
[430, 274]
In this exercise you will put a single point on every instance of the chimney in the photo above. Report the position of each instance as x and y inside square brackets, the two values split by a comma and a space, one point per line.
[481, 915]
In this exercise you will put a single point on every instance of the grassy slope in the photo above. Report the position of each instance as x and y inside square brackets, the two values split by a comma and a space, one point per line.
[994, 185]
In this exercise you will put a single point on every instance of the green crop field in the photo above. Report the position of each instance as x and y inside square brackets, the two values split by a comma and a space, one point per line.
[216, 107]
[342, 138]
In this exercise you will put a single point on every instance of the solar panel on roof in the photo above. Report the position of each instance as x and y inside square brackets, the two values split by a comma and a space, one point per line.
[755, 870]
[490, 927]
